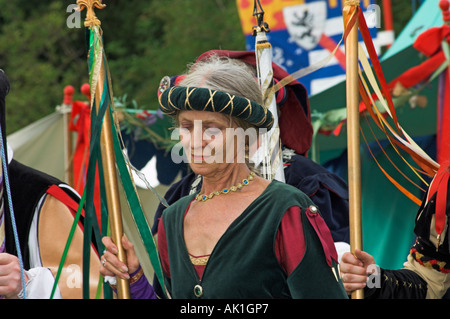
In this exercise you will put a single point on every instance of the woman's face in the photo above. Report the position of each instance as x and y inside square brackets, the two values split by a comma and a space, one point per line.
[209, 140]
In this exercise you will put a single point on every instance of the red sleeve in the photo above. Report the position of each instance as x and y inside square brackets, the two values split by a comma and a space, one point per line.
[290, 240]
[162, 248]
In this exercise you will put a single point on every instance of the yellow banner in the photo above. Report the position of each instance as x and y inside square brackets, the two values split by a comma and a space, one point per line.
[273, 11]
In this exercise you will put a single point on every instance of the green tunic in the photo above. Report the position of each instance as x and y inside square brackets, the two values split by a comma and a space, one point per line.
[243, 263]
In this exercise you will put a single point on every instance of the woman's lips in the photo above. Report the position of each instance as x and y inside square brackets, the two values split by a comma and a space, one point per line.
[199, 158]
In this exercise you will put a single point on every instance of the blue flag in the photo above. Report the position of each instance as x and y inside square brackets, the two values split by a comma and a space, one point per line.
[303, 32]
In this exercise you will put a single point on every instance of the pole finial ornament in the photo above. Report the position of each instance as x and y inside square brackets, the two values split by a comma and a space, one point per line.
[444, 5]
[258, 13]
[91, 19]
[352, 3]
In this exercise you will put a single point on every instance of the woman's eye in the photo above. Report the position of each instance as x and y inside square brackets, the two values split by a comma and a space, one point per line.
[185, 127]
[213, 131]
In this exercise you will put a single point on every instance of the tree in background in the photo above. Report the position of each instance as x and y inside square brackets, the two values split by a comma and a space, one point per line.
[144, 41]
[39, 57]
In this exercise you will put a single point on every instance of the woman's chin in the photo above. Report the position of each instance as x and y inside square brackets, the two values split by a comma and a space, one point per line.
[202, 167]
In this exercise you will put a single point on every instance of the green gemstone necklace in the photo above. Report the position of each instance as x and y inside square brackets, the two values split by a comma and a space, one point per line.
[245, 182]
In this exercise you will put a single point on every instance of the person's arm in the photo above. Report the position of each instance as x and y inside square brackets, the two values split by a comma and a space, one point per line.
[291, 249]
[396, 284]
[111, 267]
[359, 271]
[39, 281]
[164, 257]
[140, 288]
[290, 241]
[430, 265]
[10, 276]
[328, 192]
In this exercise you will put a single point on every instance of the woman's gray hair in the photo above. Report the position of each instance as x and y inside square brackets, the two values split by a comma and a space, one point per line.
[224, 74]
[231, 76]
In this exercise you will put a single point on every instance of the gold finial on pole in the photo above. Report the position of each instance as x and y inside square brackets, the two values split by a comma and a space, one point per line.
[353, 139]
[91, 19]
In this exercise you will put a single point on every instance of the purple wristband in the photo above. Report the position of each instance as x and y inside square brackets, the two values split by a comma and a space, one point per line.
[140, 288]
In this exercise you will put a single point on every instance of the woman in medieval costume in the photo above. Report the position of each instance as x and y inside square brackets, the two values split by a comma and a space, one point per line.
[426, 272]
[42, 211]
[240, 236]
[326, 189]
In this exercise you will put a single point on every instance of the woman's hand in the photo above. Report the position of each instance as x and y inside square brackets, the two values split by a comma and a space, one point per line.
[111, 265]
[354, 270]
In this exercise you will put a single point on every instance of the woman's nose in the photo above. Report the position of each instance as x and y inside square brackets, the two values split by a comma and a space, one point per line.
[197, 140]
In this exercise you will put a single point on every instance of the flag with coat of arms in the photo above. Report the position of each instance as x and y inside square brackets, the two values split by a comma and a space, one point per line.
[304, 32]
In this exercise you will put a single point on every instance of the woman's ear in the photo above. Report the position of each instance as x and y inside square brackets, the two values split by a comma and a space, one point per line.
[252, 144]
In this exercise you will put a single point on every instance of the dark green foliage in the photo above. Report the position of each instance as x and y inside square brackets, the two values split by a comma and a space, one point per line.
[144, 40]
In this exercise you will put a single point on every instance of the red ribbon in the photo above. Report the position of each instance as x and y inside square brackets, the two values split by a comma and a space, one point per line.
[377, 66]
[63, 197]
[80, 122]
[439, 186]
[324, 234]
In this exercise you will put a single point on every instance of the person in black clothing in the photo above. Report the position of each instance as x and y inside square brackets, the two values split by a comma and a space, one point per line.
[426, 272]
[43, 209]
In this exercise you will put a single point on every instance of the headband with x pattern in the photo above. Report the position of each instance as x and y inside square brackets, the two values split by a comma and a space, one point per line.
[180, 98]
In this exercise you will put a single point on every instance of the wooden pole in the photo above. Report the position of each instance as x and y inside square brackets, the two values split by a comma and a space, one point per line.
[68, 141]
[388, 20]
[112, 190]
[108, 158]
[353, 137]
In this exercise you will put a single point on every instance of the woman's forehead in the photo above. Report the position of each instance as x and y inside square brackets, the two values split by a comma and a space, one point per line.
[204, 116]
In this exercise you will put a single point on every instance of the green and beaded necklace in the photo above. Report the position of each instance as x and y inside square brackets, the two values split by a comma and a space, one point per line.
[227, 190]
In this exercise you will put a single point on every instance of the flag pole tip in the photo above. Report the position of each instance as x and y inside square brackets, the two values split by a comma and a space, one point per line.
[444, 5]
[91, 19]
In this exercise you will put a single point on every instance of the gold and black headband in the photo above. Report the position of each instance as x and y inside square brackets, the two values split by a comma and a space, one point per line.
[181, 98]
